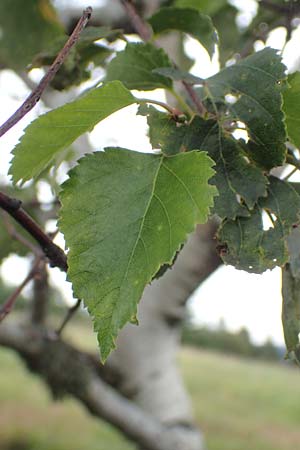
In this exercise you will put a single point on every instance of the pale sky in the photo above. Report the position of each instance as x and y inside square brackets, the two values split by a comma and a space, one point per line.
[241, 299]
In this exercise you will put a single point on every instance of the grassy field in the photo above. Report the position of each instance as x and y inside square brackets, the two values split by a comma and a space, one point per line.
[240, 405]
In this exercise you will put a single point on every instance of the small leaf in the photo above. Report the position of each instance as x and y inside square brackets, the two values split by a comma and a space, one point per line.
[54, 131]
[291, 312]
[141, 208]
[189, 21]
[291, 108]
[239, 182]
[134, 67]
[164, 132]
[249, 246]
[256, 83]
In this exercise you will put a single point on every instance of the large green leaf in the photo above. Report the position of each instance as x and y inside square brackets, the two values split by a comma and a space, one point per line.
[247, 245]
[239, 182]
[256, 83]
[189, 21]
[291, 107]
[27, 28]
[54, 131]
[135, 64]
[140, 209]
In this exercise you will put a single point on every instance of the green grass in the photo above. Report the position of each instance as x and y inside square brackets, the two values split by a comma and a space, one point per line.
[240, 405]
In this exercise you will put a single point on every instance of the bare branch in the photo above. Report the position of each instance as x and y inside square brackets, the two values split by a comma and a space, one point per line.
[69, 315]
[100, 399]
[19, 237]
[35, 96]
[141, 27]
[11, 301]
[54, 253]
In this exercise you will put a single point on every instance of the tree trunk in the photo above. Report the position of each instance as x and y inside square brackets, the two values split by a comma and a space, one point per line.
[146, 355]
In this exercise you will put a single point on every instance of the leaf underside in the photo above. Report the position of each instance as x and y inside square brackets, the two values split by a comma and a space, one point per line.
[141, 208]
[189, 21]
[134, 65]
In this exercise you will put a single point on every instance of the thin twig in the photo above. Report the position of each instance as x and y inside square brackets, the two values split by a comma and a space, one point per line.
[174, 112]
[19, 237]
[10, 302]
[34, 97]
[195, 98]
[141, 27]
[68, 317]
[54, 253]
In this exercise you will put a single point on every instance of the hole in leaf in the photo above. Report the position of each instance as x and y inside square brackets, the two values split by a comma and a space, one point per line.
[231, 99]
[239, 199]
[268, 220]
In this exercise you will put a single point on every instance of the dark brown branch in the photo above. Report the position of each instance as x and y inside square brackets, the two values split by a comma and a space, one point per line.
[69, 315]
[10, 302]
[34, 97]
[75, 373]
[54, 253]
[141, 27]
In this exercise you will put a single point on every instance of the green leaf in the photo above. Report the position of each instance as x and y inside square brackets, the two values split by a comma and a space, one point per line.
[52, 132]
[8, 244]
[239, 182]
[247, 245]
[189, 21]
[256, 84]
[134, 67]
[291, 312]
[164, 132]
[140, 209]
[291, 108]
[27, 28]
